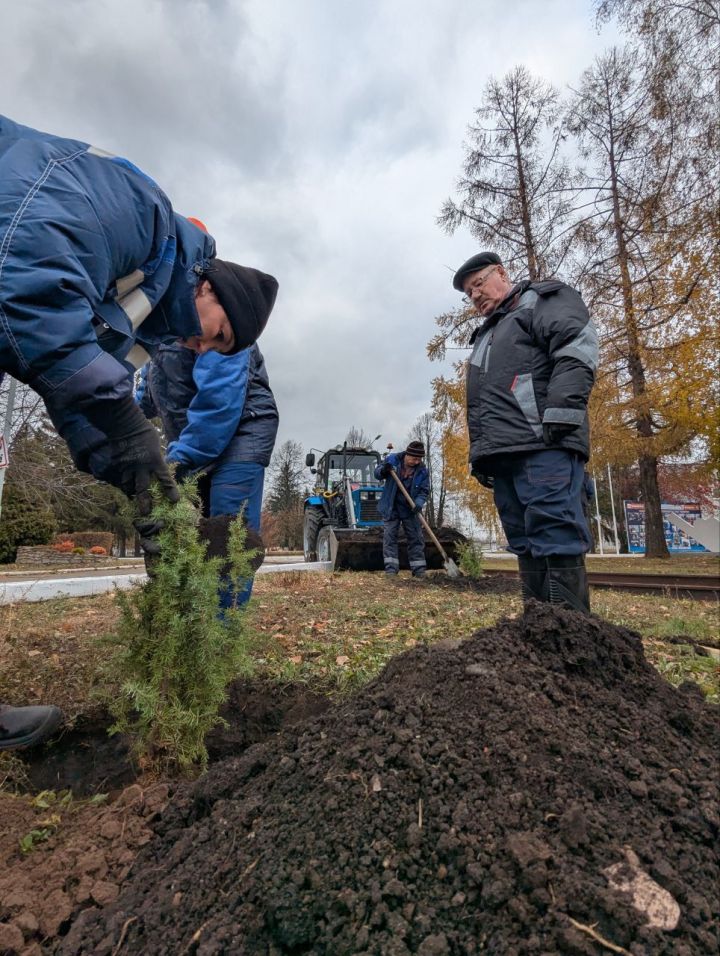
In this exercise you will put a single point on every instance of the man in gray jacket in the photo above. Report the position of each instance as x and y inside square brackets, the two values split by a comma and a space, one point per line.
[528, 383]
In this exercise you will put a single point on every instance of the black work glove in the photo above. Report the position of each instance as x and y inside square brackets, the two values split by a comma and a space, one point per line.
[181, 472]
[487, 481]
[135, 454]
[148, 532]
[417, 509]
[554, 432]
[385, 470]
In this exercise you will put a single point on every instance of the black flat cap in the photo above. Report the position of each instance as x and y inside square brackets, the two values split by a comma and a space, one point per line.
[247, 296]
[473, 264]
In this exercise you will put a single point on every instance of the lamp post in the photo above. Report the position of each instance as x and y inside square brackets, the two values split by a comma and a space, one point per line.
[7, 423]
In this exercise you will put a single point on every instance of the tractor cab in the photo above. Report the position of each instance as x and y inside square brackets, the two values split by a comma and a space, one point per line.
[346, 489]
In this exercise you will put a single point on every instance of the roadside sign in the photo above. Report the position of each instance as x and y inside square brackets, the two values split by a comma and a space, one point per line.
[4, 460]
[677, 538]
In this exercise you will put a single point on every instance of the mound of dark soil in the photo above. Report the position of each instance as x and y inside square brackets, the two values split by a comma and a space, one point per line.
[471, 800]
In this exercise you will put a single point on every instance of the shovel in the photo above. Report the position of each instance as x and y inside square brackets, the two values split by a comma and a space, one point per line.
[452, 569]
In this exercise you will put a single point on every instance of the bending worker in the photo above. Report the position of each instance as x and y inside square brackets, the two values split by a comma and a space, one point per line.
[396, 510]
[528, 383]
[219, 416]
[96, 271]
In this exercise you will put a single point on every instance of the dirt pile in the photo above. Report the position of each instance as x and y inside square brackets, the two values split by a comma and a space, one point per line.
[511, 794]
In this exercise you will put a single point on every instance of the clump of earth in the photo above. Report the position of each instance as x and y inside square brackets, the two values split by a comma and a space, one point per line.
[535, 789]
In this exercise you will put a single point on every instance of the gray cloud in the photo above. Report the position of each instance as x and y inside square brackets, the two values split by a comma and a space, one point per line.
[317, 140]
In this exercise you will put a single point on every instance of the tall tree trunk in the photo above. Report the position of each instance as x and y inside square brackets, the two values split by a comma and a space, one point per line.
[655, 544]
[525, 211]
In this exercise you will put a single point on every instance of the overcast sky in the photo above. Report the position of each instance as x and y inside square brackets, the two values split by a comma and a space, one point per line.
[317, 139]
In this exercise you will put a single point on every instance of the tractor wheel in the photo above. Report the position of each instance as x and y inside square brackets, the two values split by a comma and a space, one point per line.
[324, 551]
[312, 523]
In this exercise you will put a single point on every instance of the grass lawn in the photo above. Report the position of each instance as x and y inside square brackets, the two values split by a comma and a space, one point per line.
[676, 564]
[332, 632]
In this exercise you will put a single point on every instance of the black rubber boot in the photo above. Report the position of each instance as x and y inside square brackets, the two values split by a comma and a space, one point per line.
[27, 726]
[567, 582]
[533, 578]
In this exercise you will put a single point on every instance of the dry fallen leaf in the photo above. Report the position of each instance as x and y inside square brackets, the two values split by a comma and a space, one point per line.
[341, 660]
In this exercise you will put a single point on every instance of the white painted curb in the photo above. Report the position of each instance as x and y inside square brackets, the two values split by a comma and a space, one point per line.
[19, 591]
[14, 592]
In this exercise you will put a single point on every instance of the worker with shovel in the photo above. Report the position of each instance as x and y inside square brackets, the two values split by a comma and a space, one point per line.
[397, 511]
[529, 378]
[96, 271]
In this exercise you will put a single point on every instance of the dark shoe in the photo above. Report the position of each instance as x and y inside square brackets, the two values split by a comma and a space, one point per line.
[533, 578]
[567, 582]
[420, 573]
[27, 726]
[391, 574]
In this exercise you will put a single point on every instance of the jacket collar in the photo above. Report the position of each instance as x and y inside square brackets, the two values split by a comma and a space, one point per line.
[501, 309]
[508, 303]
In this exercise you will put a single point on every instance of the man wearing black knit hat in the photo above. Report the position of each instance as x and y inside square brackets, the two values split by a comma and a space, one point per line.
[396, 510]
[98, 271]
[529, 378]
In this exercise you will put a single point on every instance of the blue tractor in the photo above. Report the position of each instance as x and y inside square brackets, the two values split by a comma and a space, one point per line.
[343, 505]
[342, 523]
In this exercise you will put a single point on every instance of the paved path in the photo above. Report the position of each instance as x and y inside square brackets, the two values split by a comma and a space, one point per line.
[16, 586]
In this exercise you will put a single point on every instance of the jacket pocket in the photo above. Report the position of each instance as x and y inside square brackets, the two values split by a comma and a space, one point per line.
[524, 393]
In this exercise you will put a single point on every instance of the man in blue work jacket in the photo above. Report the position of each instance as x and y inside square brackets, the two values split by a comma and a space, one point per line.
[96, 272]
[396, 511]
[219, 416]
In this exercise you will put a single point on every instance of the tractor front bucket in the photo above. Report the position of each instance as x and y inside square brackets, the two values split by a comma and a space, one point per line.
[360, 549]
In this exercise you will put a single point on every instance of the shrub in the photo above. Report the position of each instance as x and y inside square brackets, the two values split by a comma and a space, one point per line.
[173, 657]
[63, 546]
[93, 539]
[23, 523]
[78, 550]
[98, 550]
[470, 559]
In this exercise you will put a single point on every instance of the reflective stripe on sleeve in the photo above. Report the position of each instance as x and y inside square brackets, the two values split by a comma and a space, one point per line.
[137, 356]
[136, 306]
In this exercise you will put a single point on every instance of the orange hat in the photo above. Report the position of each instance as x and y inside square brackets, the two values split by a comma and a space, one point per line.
[198, 223]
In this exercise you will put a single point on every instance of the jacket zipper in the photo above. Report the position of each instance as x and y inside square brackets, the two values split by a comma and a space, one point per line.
[487, 350]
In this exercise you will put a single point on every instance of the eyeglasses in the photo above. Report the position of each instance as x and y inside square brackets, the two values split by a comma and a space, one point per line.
[477, 285]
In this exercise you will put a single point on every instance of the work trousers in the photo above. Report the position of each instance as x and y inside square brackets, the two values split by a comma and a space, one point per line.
[539, 497]
[413, 537]
[234, 486]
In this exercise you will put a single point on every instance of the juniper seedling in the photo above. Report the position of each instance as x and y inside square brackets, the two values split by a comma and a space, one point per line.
[470, 559]
[173, 656]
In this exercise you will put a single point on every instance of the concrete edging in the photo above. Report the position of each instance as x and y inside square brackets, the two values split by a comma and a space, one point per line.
[14, 592]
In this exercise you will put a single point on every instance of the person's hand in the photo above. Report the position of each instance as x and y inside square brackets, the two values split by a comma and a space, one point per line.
[554, 432]
[417, 509]
[385, 469]
[136, 457]
[487, 481]
[135, 461]
[149, 532]
[181, 472]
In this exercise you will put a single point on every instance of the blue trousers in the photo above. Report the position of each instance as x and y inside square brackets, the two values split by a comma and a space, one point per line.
[539, 499]
[235, 485]
[415, 543]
